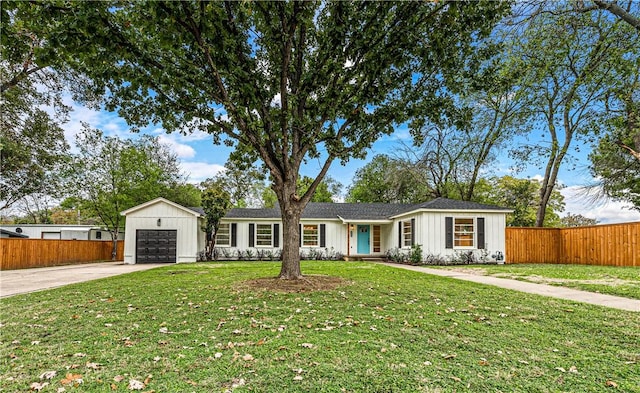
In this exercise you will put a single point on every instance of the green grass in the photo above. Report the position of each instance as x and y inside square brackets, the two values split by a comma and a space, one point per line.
[611, 280]
[196, 328]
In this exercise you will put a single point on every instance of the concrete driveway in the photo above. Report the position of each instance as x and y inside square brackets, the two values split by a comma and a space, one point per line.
[14, 282]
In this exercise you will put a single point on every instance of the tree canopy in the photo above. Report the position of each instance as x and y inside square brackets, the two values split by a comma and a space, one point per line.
[110, 175]
[282, 81]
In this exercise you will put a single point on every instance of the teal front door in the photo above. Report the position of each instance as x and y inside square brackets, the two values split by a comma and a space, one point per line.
[363, 239]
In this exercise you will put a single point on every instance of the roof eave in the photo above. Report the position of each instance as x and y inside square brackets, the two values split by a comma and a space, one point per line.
[424, 210]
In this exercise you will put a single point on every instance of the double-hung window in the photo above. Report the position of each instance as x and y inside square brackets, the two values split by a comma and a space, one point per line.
[463, 232]
[406, 234]
[223, 236]
[264, 235]
[310, 235]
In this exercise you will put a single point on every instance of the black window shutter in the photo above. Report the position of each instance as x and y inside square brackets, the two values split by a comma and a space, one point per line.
[481, 241]
[234, 235]
[400, 234]
[448, 232]
[301, 234]
[276, 235]
[413, 231]
[323, 235]
[252, 231]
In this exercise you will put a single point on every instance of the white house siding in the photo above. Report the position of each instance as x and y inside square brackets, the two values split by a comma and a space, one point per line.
[185, 223]
[335, 232]
[430, 232]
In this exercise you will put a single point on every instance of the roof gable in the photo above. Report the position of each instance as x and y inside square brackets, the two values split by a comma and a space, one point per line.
[156, 201]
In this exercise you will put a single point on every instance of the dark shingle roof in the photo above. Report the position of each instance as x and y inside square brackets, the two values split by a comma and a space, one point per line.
[360, 211]
[452, 204]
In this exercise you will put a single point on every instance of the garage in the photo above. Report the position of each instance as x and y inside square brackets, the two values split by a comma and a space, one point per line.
[154, 246]
[162, 231]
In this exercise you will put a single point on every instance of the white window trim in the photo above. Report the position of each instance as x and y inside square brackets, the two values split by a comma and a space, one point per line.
[317, 244]
[270, 245]
[218, 244]
[406, 230]
[473, 236]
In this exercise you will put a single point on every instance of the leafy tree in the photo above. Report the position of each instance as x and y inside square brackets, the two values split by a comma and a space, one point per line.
[521, 195]
[216, 201]
[110, 175]
[572, 59]
[387, 180]
[244, 183]
[576, 220]
[326, 191]
[627, 11]
[284, 81]
[618, 173]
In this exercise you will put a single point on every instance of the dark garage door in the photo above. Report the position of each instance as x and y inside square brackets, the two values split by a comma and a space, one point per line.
[156, 246]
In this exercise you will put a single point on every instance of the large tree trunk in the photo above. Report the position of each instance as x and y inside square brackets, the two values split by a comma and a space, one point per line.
[291, 212]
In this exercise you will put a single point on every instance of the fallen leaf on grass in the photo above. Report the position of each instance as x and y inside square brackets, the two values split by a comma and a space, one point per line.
[37, 386]
[72, 379]
[48, 375]
[298, 378]
[93, 366]
[455, 379]
[307, 345]
[237, 383]
[247, 358]
[449, 356]
[134, 384]
[611, 384]
[118, 378]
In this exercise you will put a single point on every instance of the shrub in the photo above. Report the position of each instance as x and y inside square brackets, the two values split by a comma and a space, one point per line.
[415, 256]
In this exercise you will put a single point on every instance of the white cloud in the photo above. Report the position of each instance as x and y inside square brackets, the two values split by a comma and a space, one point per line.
[200, 171]
[180, 149]
[606, 211]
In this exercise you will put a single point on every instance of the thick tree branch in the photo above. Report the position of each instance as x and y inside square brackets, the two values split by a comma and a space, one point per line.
[619, 12]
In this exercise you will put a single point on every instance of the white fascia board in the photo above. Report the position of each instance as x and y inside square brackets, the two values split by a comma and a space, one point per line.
[464, 211]
[361, 221]
[159, 200]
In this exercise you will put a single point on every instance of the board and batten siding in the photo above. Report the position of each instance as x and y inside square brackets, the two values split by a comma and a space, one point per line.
[430, 231]
[335, 234]
[186, 224]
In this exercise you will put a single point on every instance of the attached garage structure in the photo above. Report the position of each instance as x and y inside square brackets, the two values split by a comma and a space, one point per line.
[161, 231]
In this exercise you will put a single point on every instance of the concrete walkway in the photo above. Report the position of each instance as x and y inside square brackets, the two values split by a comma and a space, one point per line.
[538, 289]
[14, 282]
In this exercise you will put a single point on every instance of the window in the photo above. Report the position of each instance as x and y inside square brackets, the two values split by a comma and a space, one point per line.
[376, 238]
[406, 234]
[310, 235]
[99, 235]
[263, 235]
[223, 236]
[463, 234]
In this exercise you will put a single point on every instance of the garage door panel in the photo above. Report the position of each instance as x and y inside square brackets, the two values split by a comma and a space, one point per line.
[156, 246]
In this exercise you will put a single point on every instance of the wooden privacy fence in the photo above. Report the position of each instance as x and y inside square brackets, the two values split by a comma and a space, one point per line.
[26, 253]
[611, 245]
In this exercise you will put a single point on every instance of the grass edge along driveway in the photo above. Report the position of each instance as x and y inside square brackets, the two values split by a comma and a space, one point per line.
[200, 327]
[610, 280]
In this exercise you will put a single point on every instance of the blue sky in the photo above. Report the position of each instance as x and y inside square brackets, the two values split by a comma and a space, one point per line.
[201, 159]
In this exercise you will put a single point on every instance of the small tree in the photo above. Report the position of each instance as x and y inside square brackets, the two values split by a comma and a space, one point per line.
[216, 201]
[110, 175]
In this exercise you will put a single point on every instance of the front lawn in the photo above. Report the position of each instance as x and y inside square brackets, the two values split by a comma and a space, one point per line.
[204, 328]
[611, 280]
